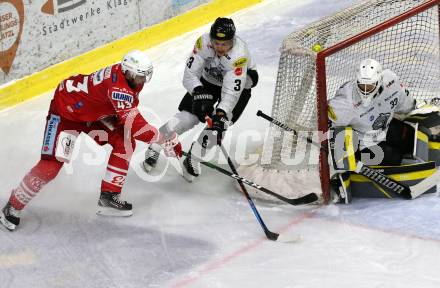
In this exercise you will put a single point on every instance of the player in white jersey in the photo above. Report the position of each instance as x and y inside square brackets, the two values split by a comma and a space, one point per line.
[367, 105]
[220, 71]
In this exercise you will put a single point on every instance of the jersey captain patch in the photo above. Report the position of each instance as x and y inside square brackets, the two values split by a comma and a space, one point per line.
[119, 96]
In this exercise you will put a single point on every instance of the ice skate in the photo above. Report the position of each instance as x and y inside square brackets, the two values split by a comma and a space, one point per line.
[151, 158]
[10, 217]
[109, 204]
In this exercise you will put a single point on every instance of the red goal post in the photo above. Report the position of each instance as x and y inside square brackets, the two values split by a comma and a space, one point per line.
[401, 34]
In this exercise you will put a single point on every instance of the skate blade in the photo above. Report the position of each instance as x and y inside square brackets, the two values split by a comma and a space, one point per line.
[8, 225]
[108, 211]
[188, 177]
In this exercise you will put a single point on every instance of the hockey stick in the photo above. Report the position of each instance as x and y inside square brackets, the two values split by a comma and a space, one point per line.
[270, 235]
[388, 184]
[306, 199]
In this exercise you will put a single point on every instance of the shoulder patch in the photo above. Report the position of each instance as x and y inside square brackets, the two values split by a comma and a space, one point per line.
[114, 77]
[107, 72]
[240, 62]
[199, 43]
[331, 113]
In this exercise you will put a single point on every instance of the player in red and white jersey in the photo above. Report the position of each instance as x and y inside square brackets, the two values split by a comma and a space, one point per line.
[104, 106]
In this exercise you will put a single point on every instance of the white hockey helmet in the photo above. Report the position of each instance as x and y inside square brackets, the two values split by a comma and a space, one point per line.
[369, 79]
[138, 64]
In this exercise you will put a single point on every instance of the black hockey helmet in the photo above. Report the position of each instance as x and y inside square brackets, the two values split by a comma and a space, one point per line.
[222, 29]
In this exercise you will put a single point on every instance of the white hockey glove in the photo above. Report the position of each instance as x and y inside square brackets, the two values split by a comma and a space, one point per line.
[171, 145]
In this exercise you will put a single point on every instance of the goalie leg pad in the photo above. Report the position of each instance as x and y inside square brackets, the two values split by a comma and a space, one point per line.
[342, 148]
[405, 174]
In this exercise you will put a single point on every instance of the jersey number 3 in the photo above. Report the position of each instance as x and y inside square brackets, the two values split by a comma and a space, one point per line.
[237, 85]
[71, 87]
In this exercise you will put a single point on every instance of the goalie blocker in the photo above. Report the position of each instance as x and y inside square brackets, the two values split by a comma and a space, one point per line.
[413, 143]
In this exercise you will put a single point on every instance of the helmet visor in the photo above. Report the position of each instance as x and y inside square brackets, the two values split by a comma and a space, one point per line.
[145, 75]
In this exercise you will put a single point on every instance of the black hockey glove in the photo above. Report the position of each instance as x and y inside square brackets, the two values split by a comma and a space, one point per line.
[219, 124]
[213, 134]
[203, 103]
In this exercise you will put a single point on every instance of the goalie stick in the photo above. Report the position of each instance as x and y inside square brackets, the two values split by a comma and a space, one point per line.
[388, 184]
[306, 199]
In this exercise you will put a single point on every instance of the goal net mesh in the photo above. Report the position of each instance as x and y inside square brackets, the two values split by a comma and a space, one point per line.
[288, 164]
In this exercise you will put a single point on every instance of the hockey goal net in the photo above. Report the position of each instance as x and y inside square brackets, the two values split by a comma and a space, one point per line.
[401, 34]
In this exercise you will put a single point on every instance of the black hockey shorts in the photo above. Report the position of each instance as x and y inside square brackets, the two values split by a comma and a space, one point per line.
[216, 91]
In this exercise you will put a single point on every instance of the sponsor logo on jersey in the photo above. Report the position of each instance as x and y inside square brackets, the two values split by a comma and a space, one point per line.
[371, 117]
[238, 71]
[368, 111]
[356, 105]
[331, 113]
[50, 135]
[381, 121]
[390, 83]
[114, 77]
[118, 96]
[240, 62]
[198, 45]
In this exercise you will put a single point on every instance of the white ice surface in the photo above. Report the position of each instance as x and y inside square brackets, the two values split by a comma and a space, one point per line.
[203, 234]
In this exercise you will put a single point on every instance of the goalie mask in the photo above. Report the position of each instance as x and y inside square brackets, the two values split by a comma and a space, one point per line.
[137, 64]
[369, 79]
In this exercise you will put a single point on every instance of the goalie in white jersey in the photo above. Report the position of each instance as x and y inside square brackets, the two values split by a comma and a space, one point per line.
[365, 108]
[368, 105]
[220, 71]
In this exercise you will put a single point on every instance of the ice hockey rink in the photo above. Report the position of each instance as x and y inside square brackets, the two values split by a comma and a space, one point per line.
[204, 234]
